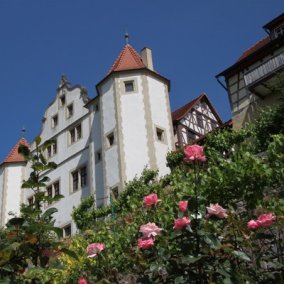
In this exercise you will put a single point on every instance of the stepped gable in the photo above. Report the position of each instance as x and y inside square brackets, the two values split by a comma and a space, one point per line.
[14, 156]
[128, 59]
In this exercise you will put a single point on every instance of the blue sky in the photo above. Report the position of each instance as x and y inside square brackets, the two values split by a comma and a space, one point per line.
[192, 41]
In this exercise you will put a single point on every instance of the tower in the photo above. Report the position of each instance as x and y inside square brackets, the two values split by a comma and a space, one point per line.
[12, 173]
[134, 122]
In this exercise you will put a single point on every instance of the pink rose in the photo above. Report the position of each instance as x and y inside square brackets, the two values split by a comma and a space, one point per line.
[149, 230]
[252, 225]
[182, 205]
[82, 281]
[151, 199]
[194, 152]
[146, 243]
[94, 249]
[217, 210]
[265, 220]
[180, 223]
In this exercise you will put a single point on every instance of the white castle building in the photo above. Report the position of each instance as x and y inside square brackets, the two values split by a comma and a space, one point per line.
[101, 143]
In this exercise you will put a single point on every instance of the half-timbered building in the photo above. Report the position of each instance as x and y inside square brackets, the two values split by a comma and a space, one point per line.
[253, 82]
[194, 120]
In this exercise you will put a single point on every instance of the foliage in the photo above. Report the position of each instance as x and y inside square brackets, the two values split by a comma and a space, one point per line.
[211, 250]
[243, 172]
[31, 239]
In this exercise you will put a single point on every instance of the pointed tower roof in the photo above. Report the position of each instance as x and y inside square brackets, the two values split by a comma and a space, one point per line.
[128, 59]
[14, 156]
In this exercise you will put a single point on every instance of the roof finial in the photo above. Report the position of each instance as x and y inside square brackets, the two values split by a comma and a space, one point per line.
[126, 36]
[23, 132]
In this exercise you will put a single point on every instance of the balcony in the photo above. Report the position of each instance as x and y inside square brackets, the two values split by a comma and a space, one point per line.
[263, 77]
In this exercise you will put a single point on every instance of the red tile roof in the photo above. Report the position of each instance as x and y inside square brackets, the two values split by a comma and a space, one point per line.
[128, 59]
[14, 156]
[255, 47]
[181, 112]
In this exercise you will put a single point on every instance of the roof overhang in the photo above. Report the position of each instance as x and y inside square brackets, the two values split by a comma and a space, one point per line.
[253, 57]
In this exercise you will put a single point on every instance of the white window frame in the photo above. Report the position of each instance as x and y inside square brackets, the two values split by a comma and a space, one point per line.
[79, 172]
[77, 134]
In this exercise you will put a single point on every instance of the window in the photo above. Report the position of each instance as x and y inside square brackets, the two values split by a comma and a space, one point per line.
[98, 156]
[67, 231]
[110, 140]
[69, 111]
[279, 31]
[97, 107]
[54, 121]
[129, 86]
[83, 175]
[199, 120]
[160, 134]
[191, 136]
[51, 150]
[31, 200]
[114, 192]
[79, 178]
[75, 134]
[62, 101]
[53, 190]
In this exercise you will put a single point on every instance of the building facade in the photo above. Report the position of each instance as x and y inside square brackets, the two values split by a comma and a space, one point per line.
[193, 120]
[253, 82]
[104, 142]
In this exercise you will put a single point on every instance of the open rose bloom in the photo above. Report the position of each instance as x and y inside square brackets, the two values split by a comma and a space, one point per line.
[194, 152]
[151, 199]
[146, 243]
[263, 220]
[82, 281]
[252, 225]
[216, 210]
[181, 223]
[94, 249]
[149, 230]
[182, 206]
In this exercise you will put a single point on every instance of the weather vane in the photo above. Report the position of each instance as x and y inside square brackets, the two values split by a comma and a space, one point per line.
[126, 36]
[23, 131]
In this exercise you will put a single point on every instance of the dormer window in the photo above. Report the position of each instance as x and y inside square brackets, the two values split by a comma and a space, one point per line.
[279, 31]
[62, 101]
[54, 121]
[69, 111]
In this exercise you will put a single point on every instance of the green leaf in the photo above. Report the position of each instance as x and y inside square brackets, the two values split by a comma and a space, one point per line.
[48, 213]
[240, 255]
[15, 222]
[37, 140]
[69, 253]
[57, 230]
[190, 259]
[212, 241]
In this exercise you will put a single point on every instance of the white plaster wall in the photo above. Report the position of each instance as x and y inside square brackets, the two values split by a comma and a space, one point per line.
[1, 196]
[71, 199]
[13, 190]
[134, 130]
[100, 193]
[110, 155]
[161, 118]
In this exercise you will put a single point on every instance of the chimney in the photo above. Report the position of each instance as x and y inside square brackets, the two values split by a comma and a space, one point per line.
[146, 55]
